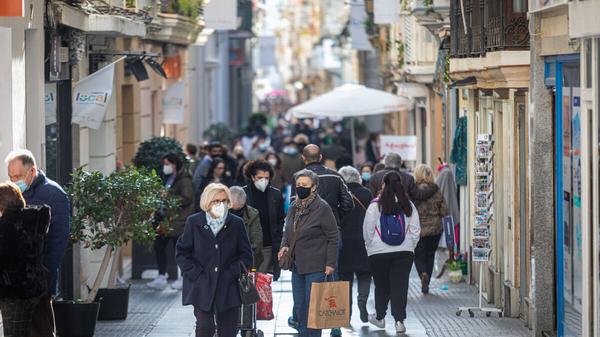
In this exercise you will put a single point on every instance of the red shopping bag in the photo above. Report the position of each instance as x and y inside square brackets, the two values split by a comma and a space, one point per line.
[264, 307]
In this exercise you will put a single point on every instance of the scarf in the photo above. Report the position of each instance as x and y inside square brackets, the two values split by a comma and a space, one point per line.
[302, 207]
[215, 224]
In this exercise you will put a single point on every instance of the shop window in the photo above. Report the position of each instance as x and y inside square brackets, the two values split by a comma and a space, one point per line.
[50, 105]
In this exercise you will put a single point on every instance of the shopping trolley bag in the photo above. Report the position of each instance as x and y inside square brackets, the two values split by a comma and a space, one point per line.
[264, 307]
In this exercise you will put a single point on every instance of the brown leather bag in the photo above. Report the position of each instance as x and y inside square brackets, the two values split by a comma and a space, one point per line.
[287, 260]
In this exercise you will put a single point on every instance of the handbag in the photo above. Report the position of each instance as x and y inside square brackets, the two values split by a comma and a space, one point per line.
[287, 260]
[248, 292]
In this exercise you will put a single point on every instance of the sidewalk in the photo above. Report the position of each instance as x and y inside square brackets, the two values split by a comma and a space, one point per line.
[159, 314]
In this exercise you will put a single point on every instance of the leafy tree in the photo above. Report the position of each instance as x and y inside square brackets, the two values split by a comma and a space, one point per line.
[109, 211]
[151, 151]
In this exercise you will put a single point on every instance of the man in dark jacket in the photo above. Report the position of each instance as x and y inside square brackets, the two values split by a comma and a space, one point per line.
[393, 162]
[332, 187]
[37, 189]
[269, 202]
[353, 256]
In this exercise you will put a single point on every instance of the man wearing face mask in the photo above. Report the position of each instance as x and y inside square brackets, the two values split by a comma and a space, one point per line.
[291, 162]
[268, 200]
[39, 190]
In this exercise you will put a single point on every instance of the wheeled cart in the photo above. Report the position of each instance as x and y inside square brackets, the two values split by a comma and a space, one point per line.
[248, 319]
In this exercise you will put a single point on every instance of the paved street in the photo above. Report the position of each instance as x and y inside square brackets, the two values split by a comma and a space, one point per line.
[159, 314]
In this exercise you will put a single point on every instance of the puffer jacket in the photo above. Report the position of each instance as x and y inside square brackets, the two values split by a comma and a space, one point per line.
[22, 235]
[431, 210]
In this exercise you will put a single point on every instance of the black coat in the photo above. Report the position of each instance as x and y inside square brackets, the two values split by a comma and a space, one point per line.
[276, 219]
[22, 234]
[332, 189]
[184, 189]
[354, 257]
[408, 182]
[211, 265]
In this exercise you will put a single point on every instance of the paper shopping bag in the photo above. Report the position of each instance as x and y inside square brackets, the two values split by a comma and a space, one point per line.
[329, 305]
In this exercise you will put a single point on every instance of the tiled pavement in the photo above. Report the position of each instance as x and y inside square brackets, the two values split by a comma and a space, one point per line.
[159, 314]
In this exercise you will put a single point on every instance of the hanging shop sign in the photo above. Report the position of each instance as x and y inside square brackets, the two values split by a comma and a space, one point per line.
[356, 26]
[12, 8]
[406, 146]
[387, 11]
[221, 15]
[50, 103]
[91, 97]
[173, 103]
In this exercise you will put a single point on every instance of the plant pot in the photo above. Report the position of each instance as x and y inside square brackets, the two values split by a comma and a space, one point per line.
[455, 276]
[464, 266]
[75, 319]
[114, 303]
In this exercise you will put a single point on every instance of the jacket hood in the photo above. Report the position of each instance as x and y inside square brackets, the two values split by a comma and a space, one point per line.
[38, 215]
[430, 188]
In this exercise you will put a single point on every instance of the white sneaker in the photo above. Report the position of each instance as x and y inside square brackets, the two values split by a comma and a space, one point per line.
[159, 283]
[400, 328]
[178, 284]
[380, 323]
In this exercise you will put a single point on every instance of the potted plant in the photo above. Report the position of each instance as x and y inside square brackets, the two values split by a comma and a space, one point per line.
[108, 212]
[455, 273]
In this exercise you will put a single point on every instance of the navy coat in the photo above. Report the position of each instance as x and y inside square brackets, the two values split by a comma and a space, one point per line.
[44, 191]
[211, 265]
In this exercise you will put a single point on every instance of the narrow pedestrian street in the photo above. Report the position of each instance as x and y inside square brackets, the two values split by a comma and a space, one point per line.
[160, 314]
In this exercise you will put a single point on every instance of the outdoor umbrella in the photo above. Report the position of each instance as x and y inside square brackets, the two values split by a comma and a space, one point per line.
[350, 100]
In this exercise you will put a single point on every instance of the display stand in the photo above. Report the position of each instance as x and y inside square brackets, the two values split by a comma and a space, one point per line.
[484, 216]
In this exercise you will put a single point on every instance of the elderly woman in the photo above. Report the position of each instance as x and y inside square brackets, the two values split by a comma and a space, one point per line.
[431, 211]
[22, 274]
[310, 244]
[353, 258]
[251, 219]
[211, 253]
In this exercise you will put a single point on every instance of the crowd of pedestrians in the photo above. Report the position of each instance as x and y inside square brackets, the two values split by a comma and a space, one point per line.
[293, 201]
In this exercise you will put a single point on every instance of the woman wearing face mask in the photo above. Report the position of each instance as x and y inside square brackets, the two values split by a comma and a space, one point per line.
[366, 171]
[216, 174]
[179, 183]
[310, 242]
[278, 180]
[210, 252]
[268, 200]
[259, 150]
[23, 282]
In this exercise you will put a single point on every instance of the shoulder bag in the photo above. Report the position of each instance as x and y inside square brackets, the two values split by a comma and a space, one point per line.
[248, 292]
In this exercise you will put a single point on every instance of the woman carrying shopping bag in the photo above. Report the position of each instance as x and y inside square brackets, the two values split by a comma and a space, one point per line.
[310, 245]
[391, 231]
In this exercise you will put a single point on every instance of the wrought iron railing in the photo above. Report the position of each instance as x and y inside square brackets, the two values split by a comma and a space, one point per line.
[492, 25]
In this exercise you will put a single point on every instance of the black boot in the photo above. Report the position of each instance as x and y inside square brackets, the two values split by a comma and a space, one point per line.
[364, 315]
[425, 283]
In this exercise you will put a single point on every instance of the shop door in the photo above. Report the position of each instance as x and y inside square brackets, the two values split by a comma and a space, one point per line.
[568, 199]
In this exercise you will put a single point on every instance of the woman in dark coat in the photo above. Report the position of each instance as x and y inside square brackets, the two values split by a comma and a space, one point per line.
[353, 258]
[431, 212]
[312, 234]
[212, 252]
[216, 174]
[179, 183]
[23, 278]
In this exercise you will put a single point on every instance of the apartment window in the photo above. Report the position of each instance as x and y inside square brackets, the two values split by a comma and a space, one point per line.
[519, 6]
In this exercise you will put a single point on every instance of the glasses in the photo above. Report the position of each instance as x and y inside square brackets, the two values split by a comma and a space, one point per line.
[216, 201]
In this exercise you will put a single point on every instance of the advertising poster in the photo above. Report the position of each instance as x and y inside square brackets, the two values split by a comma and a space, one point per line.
[406, 146]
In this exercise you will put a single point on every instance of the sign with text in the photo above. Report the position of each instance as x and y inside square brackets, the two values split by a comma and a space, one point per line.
[173, 103]
[50, 103]
[406, 146]
[387, 11]
[91, 97]
[12, 8]
[221, 15]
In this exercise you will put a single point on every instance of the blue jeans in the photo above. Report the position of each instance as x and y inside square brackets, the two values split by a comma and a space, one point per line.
[301, 284]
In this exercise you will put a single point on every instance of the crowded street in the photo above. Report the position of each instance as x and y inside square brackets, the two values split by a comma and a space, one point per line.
[309, 168]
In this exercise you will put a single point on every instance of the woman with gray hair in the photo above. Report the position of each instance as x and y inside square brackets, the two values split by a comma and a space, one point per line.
[353, 258]
[310, 244]
[251, 220]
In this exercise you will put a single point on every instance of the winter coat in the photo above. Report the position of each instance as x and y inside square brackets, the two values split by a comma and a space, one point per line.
[184, 189]
[445, 181]
[291, 165]
[276, 220]
[210, 264]
[432, 210]
[332, 189]
[44, 191]
[408, 182]
[22, 233]
[317, 242]
[252, 224]
[373, 241]
[353, 256]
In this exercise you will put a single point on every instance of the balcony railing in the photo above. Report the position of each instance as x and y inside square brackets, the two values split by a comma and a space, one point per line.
[492, 25]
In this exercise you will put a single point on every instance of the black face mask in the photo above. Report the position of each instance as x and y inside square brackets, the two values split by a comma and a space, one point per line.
[303, 192]
[237, 212]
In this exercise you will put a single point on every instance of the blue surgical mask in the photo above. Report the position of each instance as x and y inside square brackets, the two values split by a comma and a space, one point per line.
[22, 185]
[366, 176]
[292, 151]
[262, 147]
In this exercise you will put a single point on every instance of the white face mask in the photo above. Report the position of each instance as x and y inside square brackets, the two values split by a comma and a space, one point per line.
[167, 170]
[262, 184]
[273, 162]
[218, 210]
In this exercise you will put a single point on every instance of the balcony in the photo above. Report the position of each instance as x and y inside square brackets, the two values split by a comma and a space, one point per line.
[491, 25]
[432, 14]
